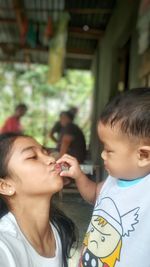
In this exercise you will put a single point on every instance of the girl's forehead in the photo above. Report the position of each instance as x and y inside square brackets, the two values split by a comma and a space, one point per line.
[23, 142]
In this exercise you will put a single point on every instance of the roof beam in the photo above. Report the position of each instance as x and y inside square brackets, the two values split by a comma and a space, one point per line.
[79, 11]
[87, 34]
[82, 52]
[90, 11]
[79, 56]
[7, 20]
[70, 53]
[73, 31]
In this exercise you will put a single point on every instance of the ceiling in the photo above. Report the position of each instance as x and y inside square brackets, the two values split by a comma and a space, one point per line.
[87, 24]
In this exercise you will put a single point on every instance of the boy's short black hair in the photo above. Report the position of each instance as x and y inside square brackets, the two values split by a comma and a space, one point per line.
[131, 109]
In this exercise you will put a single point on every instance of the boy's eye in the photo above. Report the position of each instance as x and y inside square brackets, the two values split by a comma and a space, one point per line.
[109, 151]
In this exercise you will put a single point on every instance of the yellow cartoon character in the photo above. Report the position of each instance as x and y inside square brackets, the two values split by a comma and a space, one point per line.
[103, 241]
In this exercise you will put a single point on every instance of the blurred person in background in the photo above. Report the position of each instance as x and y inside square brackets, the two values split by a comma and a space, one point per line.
[12, 123]
[72, 140]
[57, 127]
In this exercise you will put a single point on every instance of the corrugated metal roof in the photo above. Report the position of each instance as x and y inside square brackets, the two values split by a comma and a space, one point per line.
[88, 21]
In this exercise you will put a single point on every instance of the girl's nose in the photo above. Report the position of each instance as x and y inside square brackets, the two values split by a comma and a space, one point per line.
[50, 160]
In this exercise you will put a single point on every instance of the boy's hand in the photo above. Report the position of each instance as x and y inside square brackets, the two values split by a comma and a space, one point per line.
[74, 170]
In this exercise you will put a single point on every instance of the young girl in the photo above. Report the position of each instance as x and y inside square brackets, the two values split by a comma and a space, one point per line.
[32, 232]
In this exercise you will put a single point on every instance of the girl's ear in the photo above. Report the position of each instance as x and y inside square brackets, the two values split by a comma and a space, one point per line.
[6, 187]
[144, 156]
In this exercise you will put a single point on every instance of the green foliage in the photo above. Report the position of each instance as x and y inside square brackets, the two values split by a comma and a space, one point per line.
[21, 83]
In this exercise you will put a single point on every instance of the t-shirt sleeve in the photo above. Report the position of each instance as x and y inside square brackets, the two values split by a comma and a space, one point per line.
[11, 125]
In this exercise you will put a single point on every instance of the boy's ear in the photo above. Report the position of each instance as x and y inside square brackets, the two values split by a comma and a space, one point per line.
[6, 187]
[144, 156]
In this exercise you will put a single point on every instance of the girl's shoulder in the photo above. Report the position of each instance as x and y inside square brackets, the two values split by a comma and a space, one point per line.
[8, 224]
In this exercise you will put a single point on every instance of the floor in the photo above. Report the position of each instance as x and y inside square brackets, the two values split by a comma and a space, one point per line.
[80, 212]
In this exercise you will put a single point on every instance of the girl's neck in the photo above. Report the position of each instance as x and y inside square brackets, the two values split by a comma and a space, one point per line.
[34, 223]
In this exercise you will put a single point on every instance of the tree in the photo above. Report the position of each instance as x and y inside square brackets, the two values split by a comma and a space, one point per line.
[20, 83]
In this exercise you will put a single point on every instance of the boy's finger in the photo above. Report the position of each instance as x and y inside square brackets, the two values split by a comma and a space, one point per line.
[65, 173]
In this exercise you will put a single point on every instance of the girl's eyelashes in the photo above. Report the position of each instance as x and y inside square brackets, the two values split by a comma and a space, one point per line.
[35, 155]
[32, 157]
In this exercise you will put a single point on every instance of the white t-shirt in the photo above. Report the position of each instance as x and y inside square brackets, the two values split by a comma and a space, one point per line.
[119, 231]
[16, 251]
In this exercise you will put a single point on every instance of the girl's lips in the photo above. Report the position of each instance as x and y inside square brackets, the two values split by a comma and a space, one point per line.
[61, 167]
[57, 167]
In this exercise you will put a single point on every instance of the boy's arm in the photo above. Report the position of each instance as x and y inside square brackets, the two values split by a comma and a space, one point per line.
[87, 188]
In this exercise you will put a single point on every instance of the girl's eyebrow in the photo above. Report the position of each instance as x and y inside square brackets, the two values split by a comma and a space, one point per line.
[32, 148]
[27, 149]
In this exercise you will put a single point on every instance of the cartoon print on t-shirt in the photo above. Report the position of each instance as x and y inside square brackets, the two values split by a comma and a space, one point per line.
[103, 240]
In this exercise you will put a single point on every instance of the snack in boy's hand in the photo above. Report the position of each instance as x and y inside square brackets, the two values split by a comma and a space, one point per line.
[61, 166]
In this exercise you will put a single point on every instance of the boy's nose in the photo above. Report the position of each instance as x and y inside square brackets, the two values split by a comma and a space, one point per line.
[103, 155]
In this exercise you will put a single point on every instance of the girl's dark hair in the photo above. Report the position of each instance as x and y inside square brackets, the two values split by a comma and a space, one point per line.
[6, 143]
[132, 110]
[63, 224]
[67, 231]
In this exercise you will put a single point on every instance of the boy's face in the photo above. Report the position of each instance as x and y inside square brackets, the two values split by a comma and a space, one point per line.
[119, 153]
